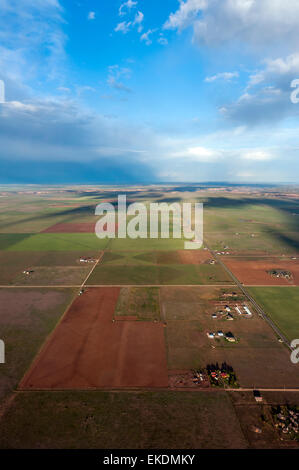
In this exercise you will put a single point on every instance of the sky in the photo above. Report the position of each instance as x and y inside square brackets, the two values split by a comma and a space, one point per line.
[149, 91]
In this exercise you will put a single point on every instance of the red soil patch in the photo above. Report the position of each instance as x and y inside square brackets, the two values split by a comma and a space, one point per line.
[89, 351]
[71, 228]
[194, 256]
[255, 272]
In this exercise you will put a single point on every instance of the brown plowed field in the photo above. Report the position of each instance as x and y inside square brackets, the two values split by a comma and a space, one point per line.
[194, 256]
[88, 350]
[71, 228]
[254, 271]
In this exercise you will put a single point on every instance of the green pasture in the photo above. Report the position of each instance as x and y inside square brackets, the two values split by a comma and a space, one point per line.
[281, 304]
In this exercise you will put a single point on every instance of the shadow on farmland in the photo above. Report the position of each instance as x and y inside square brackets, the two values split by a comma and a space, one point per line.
[286, 239]
[288, 207]
[67, 213]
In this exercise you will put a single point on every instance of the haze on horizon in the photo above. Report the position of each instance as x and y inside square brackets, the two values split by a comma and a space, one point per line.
[139, 91]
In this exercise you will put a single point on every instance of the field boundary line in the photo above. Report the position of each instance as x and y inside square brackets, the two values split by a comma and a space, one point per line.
[92, 269]
[49, 336]
[6, 404]
[45, 343]
[151, 389]
[256, 305]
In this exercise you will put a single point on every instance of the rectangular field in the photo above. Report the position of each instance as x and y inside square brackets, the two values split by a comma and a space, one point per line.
[89, 350]
[265, 243]
[281, 304]
[45, 263]
[257, 271]
[27, 316]
[155, 268]
[257, 357]
[140, 303]
[135, 420]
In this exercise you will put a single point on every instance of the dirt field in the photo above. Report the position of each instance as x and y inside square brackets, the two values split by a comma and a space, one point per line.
[257, 357]
[89, 351]
[194, 256]
[135, 420]
[27, 316]
[184, 257]
[254, 271]
[71, 228]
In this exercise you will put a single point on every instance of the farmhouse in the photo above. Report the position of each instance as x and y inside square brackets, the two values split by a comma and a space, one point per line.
[230, 337]
[257, 396]
[248, 312]
[28, 272]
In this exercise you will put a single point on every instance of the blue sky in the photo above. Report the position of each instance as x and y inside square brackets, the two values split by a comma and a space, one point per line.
[133, 91]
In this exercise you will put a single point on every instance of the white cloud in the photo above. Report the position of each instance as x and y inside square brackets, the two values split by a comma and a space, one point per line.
[115, 74]
[257, 155]
[91, 15]
[17, 105]
[266, 97]
[123, 27]
[162, 40]
[146, 37]
[203, 154]
[139, 17]
[227, 76]
[186, 14]
[126, 6]
[22, 54]
[253, 21]
[275, 69]
[64, 89]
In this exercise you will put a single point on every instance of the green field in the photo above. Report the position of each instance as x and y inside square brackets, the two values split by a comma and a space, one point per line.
[147, 244]
[139, 302]
[281, 304]
[119, 268]
[55, 242]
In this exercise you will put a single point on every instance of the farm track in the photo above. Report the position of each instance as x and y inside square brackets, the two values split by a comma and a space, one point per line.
[158, 389]
[62, 286]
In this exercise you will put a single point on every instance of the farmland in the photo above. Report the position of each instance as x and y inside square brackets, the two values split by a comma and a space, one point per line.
[98, 332]
[281, 303]
[156, 268]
